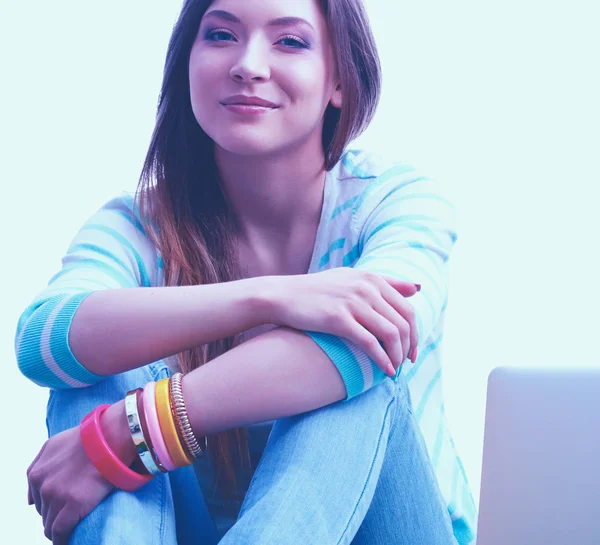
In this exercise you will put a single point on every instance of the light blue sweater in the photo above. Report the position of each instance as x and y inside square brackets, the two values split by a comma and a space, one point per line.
[378, 216]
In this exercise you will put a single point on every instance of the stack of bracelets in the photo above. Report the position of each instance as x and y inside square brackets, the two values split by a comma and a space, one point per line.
[160, 429]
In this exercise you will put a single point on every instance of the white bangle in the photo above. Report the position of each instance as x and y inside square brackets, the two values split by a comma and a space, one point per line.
[137, 434]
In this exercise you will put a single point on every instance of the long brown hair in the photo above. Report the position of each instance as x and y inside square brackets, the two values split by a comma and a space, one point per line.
[181, 204]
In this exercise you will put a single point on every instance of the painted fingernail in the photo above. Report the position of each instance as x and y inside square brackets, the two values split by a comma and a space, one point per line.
[418, 287]
[391, 371]
[413, 355]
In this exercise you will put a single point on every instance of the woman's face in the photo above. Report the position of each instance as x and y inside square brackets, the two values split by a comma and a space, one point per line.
[262, 74]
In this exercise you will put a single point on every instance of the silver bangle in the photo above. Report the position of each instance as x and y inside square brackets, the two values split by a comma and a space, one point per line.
[137, 434]
[183, 420]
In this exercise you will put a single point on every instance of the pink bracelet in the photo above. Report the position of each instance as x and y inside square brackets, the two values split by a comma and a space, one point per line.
[103, 458]
[158, 441]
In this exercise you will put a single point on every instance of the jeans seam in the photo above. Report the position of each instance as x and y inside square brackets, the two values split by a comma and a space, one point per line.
[407, 403]
[369, 474]
[155, 370]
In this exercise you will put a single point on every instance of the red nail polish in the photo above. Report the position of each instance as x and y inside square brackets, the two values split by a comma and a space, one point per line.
[418, 287]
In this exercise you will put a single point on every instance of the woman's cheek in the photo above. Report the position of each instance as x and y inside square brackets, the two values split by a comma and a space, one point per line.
[205, 62]
[308, 83]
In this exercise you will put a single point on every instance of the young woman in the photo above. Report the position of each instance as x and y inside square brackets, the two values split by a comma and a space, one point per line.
[278, 270]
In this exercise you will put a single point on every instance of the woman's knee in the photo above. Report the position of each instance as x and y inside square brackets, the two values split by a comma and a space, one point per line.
[66, 408]
[145, 516]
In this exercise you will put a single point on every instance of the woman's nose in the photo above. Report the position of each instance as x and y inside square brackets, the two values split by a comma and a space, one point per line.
[252, 65]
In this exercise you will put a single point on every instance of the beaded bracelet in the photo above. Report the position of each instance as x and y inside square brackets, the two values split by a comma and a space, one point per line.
[182, 420]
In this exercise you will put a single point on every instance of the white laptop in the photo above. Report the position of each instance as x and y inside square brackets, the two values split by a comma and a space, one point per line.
[540, 480]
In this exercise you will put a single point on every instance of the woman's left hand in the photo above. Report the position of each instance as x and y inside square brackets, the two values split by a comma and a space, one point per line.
[64, 485]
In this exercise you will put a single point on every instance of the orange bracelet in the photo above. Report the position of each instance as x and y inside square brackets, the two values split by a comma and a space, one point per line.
[167, 425]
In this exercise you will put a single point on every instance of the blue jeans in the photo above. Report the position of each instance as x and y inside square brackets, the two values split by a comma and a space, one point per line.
[354, 472]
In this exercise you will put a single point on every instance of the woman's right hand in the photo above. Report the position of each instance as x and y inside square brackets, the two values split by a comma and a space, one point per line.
[360, 306]
[64, 485]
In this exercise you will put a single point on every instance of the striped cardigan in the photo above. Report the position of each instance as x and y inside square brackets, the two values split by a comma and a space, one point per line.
[377, 216]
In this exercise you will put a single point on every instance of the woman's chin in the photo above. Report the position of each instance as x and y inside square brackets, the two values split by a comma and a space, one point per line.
[249, 145]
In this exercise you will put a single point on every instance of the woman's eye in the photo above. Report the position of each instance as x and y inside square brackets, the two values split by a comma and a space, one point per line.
[293, 41]
[219, 36]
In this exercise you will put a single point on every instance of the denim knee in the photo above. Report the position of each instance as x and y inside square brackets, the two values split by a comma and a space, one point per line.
[144, 516]
[66, 408]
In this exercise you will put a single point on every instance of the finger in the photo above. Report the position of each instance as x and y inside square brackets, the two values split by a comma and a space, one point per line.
[46, 505]
[385, 330]
[364, 339]
[36, 458]
[398, 331]
[33, 493]
[414, 332]
[64, 524]
[406, 289]
[36, 496]
[406, 310]
[37, 500]
[50, 513]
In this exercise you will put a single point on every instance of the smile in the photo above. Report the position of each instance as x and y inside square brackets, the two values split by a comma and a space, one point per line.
[248, 105]
[248, 109]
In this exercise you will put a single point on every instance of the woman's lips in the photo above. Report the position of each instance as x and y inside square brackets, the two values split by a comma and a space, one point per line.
[248, 109]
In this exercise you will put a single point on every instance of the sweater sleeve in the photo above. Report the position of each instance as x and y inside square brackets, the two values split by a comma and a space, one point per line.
[405, 227]
[110, 251]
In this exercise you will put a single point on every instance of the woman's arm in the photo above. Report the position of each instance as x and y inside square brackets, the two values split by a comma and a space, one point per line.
[114, 331]
[277, 374]
[91, 321]
[405, 227]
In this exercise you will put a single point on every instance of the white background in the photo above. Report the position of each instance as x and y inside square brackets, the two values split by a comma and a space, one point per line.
[498, 100]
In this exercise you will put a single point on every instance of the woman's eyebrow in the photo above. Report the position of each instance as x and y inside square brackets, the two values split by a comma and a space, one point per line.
[280, 21]
[288, 21]
[221, 14]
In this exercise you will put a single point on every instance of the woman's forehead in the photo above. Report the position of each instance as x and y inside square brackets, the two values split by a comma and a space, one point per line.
[268, 12]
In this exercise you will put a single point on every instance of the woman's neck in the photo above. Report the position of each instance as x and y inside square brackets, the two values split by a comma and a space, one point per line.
[274, 197]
